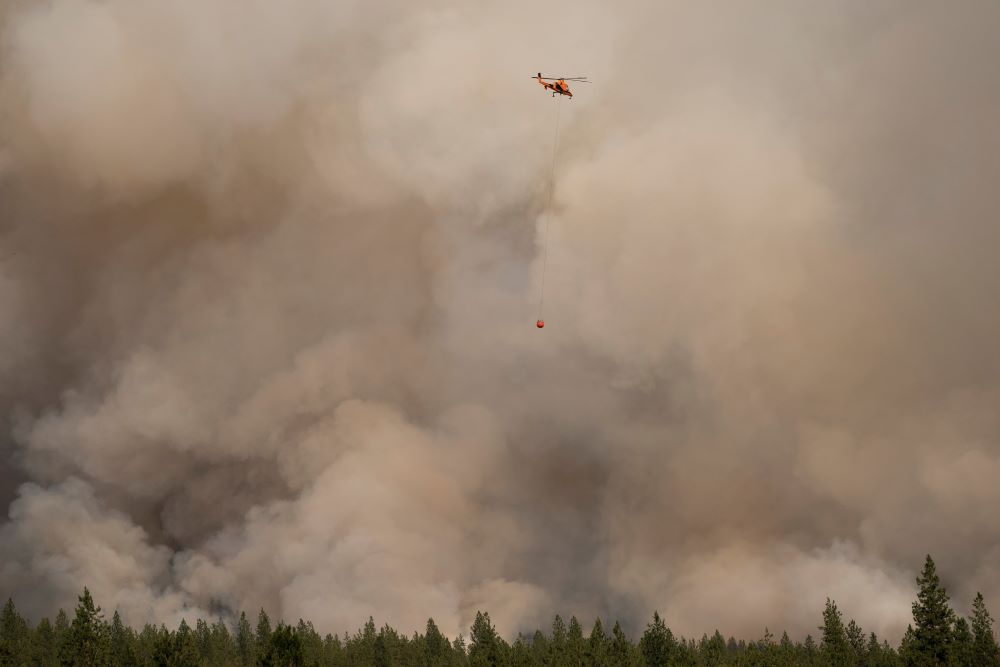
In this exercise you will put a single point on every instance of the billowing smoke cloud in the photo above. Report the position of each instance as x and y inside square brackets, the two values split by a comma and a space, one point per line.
[268, 278]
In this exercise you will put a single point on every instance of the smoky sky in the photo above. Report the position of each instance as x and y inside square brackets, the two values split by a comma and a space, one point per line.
[269, 274]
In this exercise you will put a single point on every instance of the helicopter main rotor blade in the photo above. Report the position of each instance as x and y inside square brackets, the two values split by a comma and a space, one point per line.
[578, 79]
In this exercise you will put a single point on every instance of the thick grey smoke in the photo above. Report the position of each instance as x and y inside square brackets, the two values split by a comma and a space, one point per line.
[267, 289]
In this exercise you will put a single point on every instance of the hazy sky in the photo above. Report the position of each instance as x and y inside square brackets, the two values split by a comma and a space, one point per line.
[268, 279]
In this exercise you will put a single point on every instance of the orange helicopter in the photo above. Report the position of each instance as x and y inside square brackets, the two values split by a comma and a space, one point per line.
[560, 86]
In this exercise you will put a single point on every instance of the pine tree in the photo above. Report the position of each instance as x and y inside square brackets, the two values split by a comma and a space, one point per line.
[283, 649]
[712, 650]
[933, 619]
[203, 638]
[520, 652]
[873, 651]
[146, 643]
[245, 642]
[540, 648]
[360, 648]
[61, 630]
[122, 651]
[888, 656]
[961, 649]
[906, 647]
[389, 647]
[557, 642]
[833, 644]
[185, 653]
[657, 643]
[809, 651]
[312, 643]
[263, 636]
[14, 634]
[621, 648]
[435, 644]
[856, 640]
[984, 644]
[223, 650]
[44, 647]
[484, 644]
[597, 645]
[575, 650]
[163, 648]
[333, 650]
[85, 641]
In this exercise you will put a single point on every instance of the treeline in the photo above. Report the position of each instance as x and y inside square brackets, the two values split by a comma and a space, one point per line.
[937, 636]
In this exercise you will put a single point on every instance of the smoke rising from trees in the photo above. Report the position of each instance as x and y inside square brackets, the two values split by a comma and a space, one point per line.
[267, 282]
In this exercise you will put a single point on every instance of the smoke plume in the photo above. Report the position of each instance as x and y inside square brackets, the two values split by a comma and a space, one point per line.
[268, 278]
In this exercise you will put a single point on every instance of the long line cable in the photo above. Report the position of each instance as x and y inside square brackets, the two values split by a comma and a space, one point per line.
[548, 211]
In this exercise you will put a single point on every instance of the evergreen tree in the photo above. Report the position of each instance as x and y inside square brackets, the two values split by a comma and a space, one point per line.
[621, 647]
[484, 643]
[245, 642]
[888, 657]
[263, 636]
[540, 648]
[458, 646]
[222, 649]
[557, 642]
[389, 647]
[203, 639]
[984, 644]
[809, 652]
[712, 650]
[833, 645]
[872, 651]
[185, 653]
[333, 650]
[906, 645]
[657, 643]
[764, 651]
[44, 646]
[163, 648]
[575, 650]
[856, 640]
[520, 652]
[146, 644]
[312, 643]
[435, 645]
[360, 648]
[686, 654]
[283, 649]
[121, 649]
[382, 653]
[14, 636]
[961, 650]
[85, 641]
[933, 619]
[597, 645]
[61, 630]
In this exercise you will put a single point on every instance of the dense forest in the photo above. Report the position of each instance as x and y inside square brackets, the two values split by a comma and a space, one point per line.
[937, 636]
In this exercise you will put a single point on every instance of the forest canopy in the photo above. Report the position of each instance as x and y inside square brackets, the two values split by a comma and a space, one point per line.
[937, 636]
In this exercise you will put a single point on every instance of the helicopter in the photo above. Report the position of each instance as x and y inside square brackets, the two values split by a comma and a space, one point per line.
[559, 87]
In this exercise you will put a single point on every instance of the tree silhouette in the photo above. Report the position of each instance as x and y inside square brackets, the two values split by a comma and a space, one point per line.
[833, 642]
[984, 644]
[933, 619]
[657, 644]
[86, 640]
